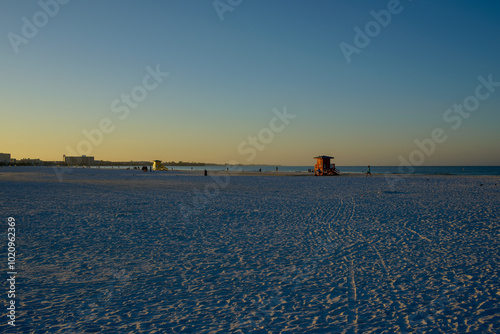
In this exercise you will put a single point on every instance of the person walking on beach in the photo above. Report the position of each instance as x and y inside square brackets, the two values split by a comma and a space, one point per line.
[368, 172]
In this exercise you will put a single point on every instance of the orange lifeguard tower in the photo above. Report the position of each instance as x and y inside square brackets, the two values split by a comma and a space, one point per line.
[324, 167]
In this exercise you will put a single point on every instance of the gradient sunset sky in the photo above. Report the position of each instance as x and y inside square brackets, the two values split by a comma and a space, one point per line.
[226, 76]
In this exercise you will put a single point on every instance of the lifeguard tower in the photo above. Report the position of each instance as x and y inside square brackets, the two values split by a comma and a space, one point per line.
[158, 166]
[324, 167]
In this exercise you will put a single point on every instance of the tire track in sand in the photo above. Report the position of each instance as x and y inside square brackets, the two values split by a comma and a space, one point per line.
[353, 242]
[415, 232]
[327, 238]
[392, 292]
[371, 245]
[349, 245]
[352, 316]
[323, 244]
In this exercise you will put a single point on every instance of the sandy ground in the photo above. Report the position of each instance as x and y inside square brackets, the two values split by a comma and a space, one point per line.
[176, 252]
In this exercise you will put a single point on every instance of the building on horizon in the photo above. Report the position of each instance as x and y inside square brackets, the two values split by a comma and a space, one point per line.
[5, 158]
[83, 160]
[29, 161]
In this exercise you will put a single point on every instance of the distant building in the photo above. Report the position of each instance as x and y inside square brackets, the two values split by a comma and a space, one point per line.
[30, 161]
[82, 161]
[5, 158]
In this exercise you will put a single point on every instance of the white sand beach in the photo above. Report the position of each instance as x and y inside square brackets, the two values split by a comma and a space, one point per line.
[123, 251]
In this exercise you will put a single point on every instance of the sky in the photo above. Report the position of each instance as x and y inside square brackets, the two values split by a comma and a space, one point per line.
[254, 82]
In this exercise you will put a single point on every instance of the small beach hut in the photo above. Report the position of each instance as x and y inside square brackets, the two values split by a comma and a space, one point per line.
[323, 166]
[157, 165]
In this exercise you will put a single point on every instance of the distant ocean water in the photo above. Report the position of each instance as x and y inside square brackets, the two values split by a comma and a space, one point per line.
[437, 170]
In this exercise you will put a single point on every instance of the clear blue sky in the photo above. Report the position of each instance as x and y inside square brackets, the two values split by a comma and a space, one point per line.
[226, 77]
